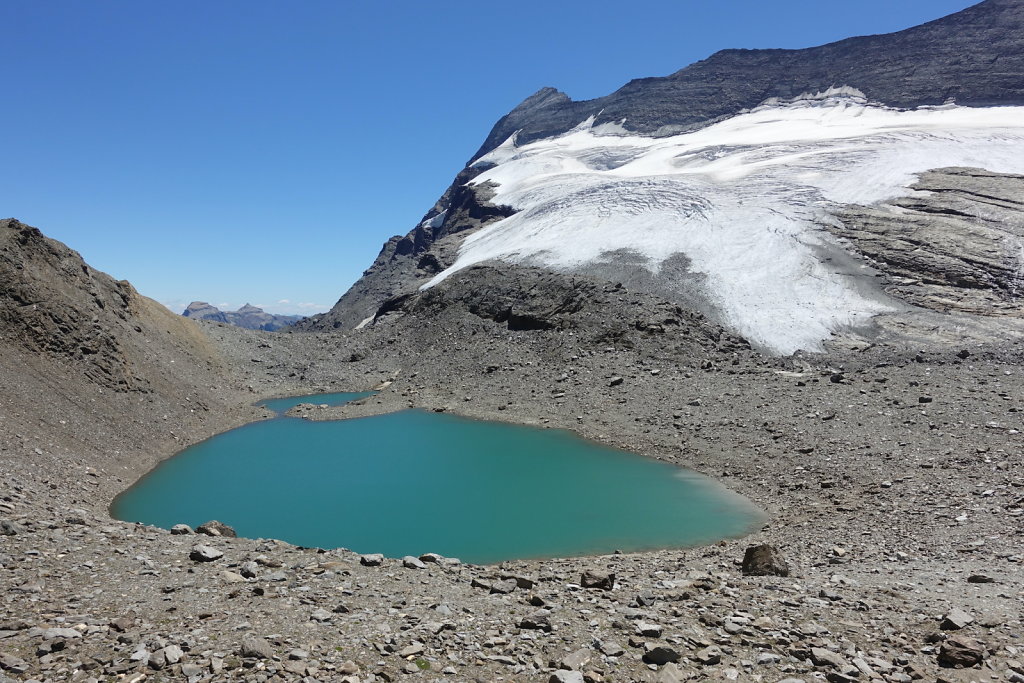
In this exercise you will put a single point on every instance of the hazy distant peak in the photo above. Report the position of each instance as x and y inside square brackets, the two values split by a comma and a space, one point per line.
[248, 316]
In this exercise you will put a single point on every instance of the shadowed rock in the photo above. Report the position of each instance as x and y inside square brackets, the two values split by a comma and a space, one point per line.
[764, 560]
[215, 528]
[248, 316]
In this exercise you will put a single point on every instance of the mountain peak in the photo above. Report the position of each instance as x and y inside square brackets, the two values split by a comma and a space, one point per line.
[248, 316]
[973, 57]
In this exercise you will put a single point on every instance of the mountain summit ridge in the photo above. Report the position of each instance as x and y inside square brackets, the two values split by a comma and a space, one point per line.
[742, 158]
[248, 316]
[948, 58]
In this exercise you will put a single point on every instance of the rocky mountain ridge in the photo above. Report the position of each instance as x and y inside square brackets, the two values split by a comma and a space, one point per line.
[955, 245]
[973, 57]
[248, 316]
[52, 303]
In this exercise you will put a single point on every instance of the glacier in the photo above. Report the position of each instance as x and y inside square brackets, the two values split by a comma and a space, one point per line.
[745, 200]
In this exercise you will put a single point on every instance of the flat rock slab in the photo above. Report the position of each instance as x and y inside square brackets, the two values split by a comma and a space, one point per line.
[205, 553]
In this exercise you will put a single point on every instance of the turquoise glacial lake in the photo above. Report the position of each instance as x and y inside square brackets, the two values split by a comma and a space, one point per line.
[412, 482]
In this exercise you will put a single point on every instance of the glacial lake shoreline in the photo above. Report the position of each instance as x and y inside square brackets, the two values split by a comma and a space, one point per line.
[552, 493]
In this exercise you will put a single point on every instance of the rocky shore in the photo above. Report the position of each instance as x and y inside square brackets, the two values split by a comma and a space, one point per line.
[890, 475]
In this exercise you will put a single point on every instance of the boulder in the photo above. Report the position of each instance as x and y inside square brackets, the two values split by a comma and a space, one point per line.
[204, 553]
[504, 587]
[577, 660]
[12, 663]
[648, 630]
[955, 620]
[566, 677]
[764, 560]
[256, 648]
[410, 562]
[538, 621]
[9, 528]
[822, 657]
[960, 652]
[594, 580]
[661, 654]
[215, 528]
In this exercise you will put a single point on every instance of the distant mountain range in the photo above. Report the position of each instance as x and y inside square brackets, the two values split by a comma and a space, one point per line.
[248, 316]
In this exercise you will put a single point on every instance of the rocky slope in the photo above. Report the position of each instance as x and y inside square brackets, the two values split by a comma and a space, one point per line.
[248, 316]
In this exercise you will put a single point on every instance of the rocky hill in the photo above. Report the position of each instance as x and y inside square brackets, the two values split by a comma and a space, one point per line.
[720, 187]
[87, 362]
[53, 304]
[248, 316]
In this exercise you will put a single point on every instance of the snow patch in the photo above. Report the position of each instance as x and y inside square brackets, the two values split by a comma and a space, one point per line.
[435, 221]
[743, 199]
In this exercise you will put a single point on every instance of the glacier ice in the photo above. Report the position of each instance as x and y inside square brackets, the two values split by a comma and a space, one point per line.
[744, 200]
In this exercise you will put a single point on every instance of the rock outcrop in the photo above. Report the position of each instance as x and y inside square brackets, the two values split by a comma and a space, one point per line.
[53, 303]
[956, 243]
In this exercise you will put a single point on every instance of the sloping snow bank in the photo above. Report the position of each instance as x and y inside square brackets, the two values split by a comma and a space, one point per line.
[742, 199]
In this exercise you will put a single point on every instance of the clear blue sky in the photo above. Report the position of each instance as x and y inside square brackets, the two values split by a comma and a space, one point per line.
[253, 151]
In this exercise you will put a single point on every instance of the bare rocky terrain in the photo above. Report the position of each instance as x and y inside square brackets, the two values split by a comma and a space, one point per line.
[888, 469]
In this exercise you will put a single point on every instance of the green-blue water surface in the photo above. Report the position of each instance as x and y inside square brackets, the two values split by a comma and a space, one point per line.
[412, 482]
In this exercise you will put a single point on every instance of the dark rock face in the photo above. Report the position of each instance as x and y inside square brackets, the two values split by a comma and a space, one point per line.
[961, 652]
[525, 298]
[764, 560]
[404, 263]
[973, 56]
[958, 247]
[248, 316]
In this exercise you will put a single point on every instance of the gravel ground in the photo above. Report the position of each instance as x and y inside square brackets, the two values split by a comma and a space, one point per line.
[891, 477]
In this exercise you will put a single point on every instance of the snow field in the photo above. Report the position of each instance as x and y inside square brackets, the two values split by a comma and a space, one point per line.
[743, 199]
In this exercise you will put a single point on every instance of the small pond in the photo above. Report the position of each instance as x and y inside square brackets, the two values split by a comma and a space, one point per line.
[412, 482]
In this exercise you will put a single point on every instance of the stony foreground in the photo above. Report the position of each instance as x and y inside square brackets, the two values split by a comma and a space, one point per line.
[891, 477]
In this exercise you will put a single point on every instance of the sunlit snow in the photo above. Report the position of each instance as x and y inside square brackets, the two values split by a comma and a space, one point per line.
[743, 199]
